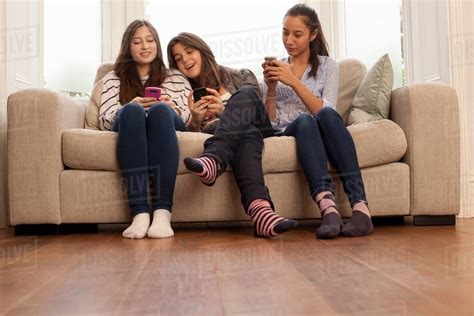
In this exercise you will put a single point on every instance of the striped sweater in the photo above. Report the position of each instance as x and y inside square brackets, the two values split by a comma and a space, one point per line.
[175, 85]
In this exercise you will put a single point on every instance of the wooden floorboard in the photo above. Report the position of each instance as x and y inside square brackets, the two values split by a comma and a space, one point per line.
[398, 270]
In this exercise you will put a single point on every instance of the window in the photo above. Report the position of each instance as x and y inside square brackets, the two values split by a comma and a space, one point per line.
[72, 45]
[240, 33]
[373, 28]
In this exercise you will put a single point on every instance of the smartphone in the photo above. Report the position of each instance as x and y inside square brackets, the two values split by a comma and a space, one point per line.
[153, 92]
[199, 93]
[269, 59]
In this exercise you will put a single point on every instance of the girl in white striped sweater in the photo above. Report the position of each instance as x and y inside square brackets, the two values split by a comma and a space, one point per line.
[147, 144]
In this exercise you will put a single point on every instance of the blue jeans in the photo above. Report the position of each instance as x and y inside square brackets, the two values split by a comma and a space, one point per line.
[326, 137]
[148, 147]
[238, 140]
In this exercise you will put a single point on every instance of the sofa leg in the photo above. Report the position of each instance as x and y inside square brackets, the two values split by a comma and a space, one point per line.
[52, 229]
[435, 220]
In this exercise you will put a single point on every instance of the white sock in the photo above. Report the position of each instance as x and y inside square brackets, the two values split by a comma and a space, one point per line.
[139, 226]
[161, 227]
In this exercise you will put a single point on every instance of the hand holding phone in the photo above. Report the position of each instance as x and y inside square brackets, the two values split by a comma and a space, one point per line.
[153, 92]
[268, 60]
[199, 93]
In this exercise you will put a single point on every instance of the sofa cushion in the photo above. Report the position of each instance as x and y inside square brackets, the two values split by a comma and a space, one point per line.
[95, 150]
[377, 143]
[351, 74]
[89, 149]
[103, 69]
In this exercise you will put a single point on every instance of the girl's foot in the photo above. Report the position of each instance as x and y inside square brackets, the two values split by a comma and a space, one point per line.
[161, 225]
[360, 223]
[265, 222]
[332, 224]
[139, 226]
[205, 167]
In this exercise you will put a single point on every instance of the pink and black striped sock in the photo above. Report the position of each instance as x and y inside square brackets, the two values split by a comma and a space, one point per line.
[331, 224]
[205, 167]
[265, 222]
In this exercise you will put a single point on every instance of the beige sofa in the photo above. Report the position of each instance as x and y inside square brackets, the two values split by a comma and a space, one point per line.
[59, 172]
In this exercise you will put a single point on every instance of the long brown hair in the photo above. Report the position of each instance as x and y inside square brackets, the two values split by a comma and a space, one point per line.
[211, 73]
[126, 69]
[318, 46]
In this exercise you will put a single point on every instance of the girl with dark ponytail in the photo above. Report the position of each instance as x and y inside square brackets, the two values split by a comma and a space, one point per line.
[318, 46]
[300, 95]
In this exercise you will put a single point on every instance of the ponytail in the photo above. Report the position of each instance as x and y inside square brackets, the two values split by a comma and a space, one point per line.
[318, 46]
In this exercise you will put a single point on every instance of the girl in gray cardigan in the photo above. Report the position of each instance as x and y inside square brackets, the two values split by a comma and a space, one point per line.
[234, 102]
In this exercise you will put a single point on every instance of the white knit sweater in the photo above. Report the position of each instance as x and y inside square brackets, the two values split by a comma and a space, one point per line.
[175, 85]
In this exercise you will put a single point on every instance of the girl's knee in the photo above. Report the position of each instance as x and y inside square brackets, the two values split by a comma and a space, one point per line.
[132, 111]
[160, 110]
[163, 115]
[305, 121]
[328, 114]
[248, 90]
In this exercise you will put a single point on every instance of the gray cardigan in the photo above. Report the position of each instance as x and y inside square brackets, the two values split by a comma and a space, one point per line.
[233, 79]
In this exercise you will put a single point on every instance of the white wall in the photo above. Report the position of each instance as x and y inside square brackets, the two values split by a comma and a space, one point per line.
[116, 15]
[462, 70]
[3, 118]
[426, 49]
[24, 25]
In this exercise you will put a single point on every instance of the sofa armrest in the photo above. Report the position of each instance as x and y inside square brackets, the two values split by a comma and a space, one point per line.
[36, 120]
[428, 113]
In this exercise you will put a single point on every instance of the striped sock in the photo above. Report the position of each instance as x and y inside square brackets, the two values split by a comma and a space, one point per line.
[265, 222]
[331, 224]
[205, 167]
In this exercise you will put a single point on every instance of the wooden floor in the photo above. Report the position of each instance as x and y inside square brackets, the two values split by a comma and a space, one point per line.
[399, 270]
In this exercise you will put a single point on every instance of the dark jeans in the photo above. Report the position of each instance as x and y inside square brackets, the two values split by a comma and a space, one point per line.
[326, 137]
[239, 139]
[148, 147]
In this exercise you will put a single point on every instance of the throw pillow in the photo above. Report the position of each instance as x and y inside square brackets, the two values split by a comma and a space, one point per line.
[372, 100]
[351, 74]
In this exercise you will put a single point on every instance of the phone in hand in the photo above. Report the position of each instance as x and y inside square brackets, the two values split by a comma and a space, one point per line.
[199, 93]
[153, 92]
[269, 59]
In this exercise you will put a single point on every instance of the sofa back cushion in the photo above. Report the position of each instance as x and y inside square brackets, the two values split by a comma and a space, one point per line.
[351, 74]
[103, 70]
